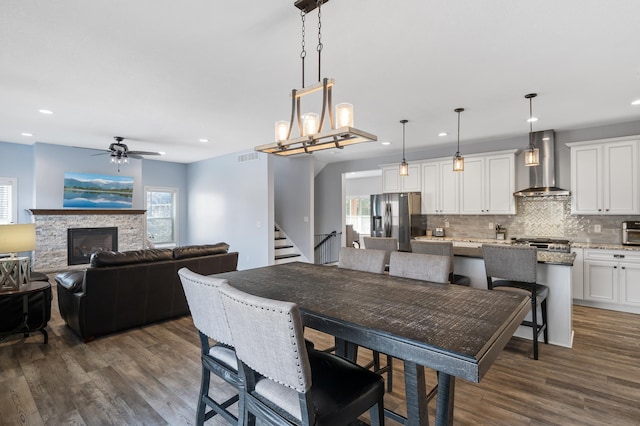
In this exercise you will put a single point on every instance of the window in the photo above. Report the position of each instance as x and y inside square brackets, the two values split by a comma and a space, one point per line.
[8, 200]
[162, 220]
[358, 213]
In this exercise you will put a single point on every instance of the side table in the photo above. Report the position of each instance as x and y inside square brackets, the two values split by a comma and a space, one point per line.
[24, 292]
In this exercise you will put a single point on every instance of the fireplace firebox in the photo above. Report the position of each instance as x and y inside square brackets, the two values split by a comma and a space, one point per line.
[83, 242]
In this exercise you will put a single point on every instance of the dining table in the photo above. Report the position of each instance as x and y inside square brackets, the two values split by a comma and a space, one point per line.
[457, 331]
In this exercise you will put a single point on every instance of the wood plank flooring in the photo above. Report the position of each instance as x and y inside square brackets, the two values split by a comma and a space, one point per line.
[151, 376]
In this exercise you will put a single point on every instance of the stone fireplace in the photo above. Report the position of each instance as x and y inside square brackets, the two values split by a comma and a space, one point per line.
[51, 254]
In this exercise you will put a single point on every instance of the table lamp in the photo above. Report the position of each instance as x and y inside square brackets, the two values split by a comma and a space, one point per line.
[15, 238]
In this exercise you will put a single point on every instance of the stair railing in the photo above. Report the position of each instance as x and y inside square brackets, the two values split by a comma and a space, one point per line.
[327, 247]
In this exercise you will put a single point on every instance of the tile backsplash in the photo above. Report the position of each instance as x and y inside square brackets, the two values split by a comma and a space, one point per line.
[536, 217]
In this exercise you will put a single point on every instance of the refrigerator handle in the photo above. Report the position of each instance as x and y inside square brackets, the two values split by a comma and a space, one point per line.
[387, 220]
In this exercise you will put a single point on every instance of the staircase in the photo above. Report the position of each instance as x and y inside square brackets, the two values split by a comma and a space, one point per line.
[284, 249]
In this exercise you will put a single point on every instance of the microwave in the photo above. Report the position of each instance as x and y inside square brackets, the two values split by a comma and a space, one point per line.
[631, 233]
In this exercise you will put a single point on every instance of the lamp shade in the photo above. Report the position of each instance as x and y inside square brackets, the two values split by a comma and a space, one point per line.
[16, 238]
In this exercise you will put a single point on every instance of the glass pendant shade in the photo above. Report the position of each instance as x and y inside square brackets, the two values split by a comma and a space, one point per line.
[404, 168]
[344, 114]
[282, 130]
[531, 156]
[310, 122]
[458, 163]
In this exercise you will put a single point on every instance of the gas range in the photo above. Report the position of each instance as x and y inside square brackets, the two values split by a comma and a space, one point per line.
[546, 244]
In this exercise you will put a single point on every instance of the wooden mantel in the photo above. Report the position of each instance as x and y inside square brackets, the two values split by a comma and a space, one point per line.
[52, 212]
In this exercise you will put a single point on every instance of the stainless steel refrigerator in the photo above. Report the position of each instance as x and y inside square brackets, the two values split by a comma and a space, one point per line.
[397, 215]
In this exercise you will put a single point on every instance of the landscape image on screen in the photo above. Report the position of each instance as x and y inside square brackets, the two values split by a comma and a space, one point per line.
[82, 190]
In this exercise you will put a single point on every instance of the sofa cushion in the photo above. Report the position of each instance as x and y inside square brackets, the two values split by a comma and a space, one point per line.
[200, 250]
[115, 258]
[71, 280]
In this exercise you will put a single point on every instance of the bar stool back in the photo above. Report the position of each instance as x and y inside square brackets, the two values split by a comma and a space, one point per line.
[440, 248]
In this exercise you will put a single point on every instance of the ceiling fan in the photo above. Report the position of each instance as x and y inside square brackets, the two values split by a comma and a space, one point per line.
[120, 153]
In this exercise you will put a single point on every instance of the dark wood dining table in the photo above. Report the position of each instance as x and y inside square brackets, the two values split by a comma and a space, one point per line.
[457, 331]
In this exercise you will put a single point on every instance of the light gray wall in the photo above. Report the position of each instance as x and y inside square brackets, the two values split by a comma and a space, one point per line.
[171, 175]
[16, 161]
[293, 200]
[328, 195]
[52, 161]
[363, 186]
[232, 201]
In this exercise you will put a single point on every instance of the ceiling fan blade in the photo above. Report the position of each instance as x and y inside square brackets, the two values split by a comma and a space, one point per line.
[142, 153]
[132, 155]
[102, 153]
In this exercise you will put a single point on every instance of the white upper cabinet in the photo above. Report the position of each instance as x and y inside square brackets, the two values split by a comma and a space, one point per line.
[393, 182]
[604, 177]
[487, 184]
[440, 194]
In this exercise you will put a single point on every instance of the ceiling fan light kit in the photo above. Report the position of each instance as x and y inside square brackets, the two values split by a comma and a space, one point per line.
[310, 126]
[119, 152]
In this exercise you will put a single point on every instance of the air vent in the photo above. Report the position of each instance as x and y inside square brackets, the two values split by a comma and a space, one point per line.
[247, 157]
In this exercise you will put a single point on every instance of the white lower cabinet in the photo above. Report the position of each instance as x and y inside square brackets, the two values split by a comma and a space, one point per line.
[612, 277]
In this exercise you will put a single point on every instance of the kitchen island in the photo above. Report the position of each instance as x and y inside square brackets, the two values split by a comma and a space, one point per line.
[554, 271]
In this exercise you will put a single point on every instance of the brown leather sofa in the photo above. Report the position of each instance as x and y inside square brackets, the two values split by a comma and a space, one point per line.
[122, 290]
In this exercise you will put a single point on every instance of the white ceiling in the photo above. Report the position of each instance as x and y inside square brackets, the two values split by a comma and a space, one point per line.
[165, 73]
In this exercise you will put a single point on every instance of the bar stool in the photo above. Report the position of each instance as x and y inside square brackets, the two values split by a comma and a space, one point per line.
[381, 243]
[515, 267]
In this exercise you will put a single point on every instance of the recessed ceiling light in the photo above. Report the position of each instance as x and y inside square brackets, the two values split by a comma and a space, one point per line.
[26, 134]
[636, 102]
[204, 140]
[532, 119]
[45, 111]
[386, 143]
[442, 134]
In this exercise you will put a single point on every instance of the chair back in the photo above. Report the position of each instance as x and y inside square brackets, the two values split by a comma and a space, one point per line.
[514, 263]
[205, 305]
[417, 266]
[381, 243]
[362, 259]
[438, 248]
[268, 337]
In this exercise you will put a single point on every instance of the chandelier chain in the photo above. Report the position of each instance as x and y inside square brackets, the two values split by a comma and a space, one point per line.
[303, 51]
[319, 48]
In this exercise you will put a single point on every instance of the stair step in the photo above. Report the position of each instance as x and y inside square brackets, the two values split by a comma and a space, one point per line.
[286, 256]
[280, 238]
[282, 247]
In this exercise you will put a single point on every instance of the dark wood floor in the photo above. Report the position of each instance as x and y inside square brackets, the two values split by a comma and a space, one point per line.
[151, 376]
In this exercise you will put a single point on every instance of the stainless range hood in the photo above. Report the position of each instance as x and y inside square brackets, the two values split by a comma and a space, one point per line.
[542, 178]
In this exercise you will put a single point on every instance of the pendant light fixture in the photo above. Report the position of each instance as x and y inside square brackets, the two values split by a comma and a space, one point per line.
[404, 167]
[531, 154]
[458, 160]
[311, 136]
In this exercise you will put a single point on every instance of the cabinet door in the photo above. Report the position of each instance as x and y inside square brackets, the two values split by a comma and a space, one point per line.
[449, 194]
[600, 281]
[586, 180]
[499, 184]
[430, 192]
[472, 187]
[620, 175]
[391, 179]
[629, 284]
[411, 183]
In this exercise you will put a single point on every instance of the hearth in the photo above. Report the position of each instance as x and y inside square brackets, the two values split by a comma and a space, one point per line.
[83, 242]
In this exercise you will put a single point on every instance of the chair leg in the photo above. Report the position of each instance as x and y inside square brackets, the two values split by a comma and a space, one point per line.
[534, 327]
[376, 414]
[389, 373]
[204, 390]
[544, 320]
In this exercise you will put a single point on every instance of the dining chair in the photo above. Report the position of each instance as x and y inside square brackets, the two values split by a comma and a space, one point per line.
[417, 266]
[515, 268]
[286, 383]
[208, 316]
[441, 248]
[362, 259]
[381, 243]
[368, 260]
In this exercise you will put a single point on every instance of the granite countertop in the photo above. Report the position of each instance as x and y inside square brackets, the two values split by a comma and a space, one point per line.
[604, 246]
[472, 247]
